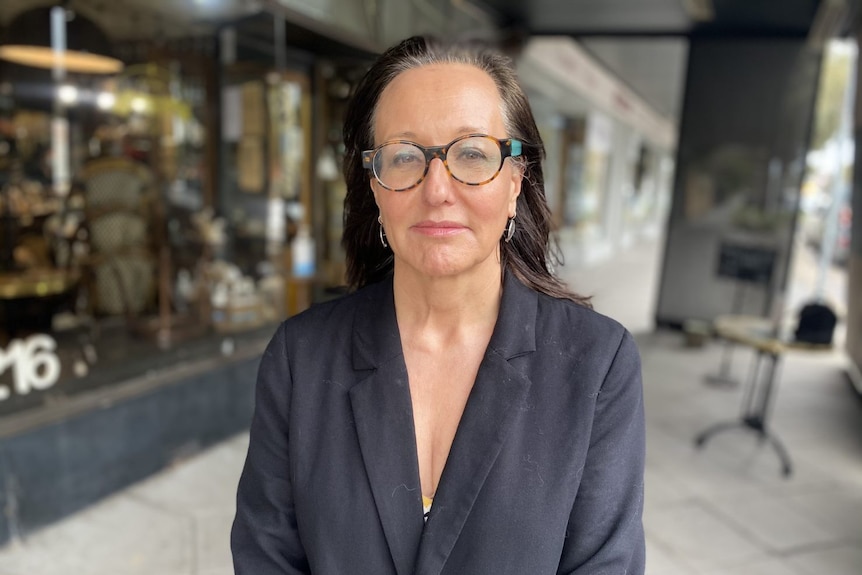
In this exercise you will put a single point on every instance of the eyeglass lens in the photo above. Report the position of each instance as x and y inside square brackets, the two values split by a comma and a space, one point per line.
[473, 160]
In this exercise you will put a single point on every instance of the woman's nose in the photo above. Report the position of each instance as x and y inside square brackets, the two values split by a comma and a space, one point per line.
[437, 186]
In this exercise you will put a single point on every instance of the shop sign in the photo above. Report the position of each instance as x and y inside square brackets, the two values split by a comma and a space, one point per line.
[33, 364]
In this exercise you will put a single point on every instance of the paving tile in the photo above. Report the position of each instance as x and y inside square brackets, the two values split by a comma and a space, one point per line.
[704, 540]
[767, 567]
[238, 442]
[842, 464]
[845, 560]
[659, 561]
[213, 542]
[839, 512]
[807, 477]
[205, 482]
[117, 536]
[662, 488]
[773, 523]
[710, 480]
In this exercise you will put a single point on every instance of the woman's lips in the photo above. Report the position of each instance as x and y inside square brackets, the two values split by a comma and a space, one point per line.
[438, 229]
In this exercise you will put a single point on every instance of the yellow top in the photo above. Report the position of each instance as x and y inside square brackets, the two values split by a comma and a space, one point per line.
[426, 505]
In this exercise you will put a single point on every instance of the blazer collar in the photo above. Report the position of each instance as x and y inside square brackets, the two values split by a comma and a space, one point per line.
[515, 332]
[376, 339]
[383, 415]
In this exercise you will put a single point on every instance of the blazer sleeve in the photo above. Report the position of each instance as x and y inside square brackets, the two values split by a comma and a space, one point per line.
[264, 538]
[605, 532]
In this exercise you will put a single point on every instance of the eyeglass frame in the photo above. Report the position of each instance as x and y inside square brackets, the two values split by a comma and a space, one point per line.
[509, 148]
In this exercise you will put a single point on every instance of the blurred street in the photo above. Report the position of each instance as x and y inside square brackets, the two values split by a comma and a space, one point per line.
[724, 510]
[171, 186]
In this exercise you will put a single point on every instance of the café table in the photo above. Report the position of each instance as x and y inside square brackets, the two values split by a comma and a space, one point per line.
[769, 344]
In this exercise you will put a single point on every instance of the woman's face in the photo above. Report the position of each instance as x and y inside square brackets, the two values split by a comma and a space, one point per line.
[443, 227]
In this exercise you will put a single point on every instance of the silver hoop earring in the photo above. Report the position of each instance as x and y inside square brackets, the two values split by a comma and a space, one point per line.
[381, 232]
[510, 230]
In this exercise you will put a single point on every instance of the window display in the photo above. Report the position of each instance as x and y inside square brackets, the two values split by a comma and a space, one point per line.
[151, 214]
[133, 260]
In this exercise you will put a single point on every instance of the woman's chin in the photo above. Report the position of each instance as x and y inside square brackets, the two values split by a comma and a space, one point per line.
[444, 264]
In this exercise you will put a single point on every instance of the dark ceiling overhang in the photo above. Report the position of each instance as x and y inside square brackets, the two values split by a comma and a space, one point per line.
[685, 18]
[303, 39]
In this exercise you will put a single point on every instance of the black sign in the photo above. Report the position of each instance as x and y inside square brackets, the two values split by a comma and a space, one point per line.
[753, 264]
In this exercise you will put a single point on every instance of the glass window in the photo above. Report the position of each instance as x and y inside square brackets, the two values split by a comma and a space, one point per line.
[120, 253]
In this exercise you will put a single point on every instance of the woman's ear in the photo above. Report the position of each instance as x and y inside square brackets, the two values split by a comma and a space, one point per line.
[517, 180]
[371, 184]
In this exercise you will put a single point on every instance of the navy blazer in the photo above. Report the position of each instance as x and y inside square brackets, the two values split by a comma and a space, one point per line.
[545, 474]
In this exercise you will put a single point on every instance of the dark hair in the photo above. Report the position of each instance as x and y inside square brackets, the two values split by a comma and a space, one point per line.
[528, 253]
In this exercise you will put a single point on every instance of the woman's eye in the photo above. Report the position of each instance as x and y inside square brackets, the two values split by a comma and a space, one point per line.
[404, 159]
[471, 155]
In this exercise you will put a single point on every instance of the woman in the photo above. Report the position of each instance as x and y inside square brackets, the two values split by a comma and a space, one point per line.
[460, 378]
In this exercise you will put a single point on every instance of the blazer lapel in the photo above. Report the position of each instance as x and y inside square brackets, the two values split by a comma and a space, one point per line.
[492, 409]
[383, 416]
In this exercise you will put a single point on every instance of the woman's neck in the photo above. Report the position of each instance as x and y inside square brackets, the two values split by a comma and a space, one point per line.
[447, 307]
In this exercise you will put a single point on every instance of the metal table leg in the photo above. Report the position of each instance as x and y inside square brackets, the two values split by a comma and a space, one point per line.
[756, 406]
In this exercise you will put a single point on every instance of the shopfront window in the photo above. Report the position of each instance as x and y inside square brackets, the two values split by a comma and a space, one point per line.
[118, 254]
